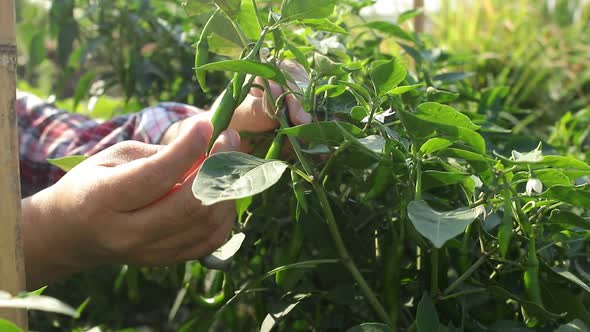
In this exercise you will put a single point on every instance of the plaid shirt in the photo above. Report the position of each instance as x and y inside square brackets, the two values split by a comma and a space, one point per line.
[47, 132]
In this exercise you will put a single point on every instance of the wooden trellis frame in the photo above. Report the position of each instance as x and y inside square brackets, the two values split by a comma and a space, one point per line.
[12, 269]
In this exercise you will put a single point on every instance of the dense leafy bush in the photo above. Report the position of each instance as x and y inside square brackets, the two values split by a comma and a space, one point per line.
[406, 205]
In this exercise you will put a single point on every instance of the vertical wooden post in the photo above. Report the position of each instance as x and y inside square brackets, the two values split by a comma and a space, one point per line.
[12, 269]
[419, 20]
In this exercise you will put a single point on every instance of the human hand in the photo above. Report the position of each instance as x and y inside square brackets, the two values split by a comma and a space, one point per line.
[118, 207]
[254, 114]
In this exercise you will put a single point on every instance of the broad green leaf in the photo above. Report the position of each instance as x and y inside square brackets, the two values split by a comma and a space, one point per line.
[324, 66]
[36, 302]
[426, 316]
[452, 77]
[569, 218]
[439, 227]
[6, 326]
[83, 87]
[233, 175]
[477, 161]
[197, 7]
[571, 277]
[230, 7]
[435, 144]
[551, 177]
[574, 326]
[307, 9]
[423, 127]
[38, 291]
[443, 114]
[67, 163]
[248, 67]
[273, 318]
[222, 257]
[403, 89]
[391, 29]
[246, 19]
[374, 143]
[528, 305]
[37, 50]
[358, 89]
[324, 24]
[387, 74]
[437, 178]
[370, 327]
[579, 196]
[322, 132]
[409, 14]
[440, 95]
[505, 229]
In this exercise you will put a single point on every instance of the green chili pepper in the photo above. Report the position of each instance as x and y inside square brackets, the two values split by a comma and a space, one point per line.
[289, 254]
[274, 151]
[381, 178]
[225, 110]
[531, 275]
[216, 301]
[392, 255]
[202, 55]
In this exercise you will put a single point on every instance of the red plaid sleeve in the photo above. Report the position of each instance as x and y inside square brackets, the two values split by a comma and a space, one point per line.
[47, 132]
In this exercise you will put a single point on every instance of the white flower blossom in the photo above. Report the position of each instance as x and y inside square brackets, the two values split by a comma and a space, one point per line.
[534, 185]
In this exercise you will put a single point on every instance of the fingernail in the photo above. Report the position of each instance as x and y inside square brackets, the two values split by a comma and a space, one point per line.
[234, 139]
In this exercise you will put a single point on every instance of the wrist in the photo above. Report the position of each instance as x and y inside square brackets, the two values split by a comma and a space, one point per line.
[49, 254]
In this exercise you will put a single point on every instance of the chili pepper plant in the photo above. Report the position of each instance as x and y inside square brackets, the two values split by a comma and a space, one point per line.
[401, 207]
[398, 208]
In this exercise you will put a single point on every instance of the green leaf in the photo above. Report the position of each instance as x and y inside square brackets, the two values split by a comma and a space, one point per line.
[233, 175]
[403, 89]
[83, 87]
[37, 50]
[324, 24]
[67, 163]
[6, 326]
[569, 218]
[273, 318]
[423, 127]
[434, 144]
[36, 302]
[439, 227]
[324, 66]
[242, 205]
[248, 67]
[387, 74]
[437, 178]
[298, 54]
[574, 326]
[570, 277]
[426, 316]
[443, 114]
[329, 132]
[359, 89]
[578, 196]
[390, 29]
[247, 20]
[452, 77]
[222, 257]
[370, 327]
[230, 7]
[306, 9]
[505, 229]
[38, 291]
[408, 15]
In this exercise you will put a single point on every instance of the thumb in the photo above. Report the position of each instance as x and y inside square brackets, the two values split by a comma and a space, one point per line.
[144, 180]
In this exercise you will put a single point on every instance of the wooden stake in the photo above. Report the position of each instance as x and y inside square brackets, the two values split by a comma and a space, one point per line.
[419, 20]
[12, 269]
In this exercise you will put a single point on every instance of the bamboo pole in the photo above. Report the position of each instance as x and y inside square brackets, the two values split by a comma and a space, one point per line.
[12, 269]
[419, 20]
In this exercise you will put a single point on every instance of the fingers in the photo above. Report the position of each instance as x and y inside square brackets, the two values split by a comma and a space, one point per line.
[297, 114]
[180, 210]
[142, 181]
